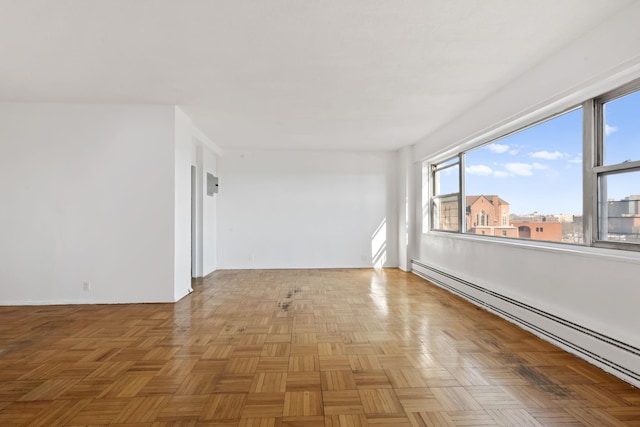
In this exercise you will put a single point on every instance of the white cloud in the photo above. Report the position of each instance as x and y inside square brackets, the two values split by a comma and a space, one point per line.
[608, 130]
[498, 148]
[480, 170]
[539, 166]
[501, 174]
[523, 169]
[520, 169]
[547, 155]
[514, 152]
[577, 159]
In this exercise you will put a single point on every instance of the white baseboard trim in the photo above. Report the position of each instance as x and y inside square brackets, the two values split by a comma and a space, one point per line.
[614, 356]
[75, 302]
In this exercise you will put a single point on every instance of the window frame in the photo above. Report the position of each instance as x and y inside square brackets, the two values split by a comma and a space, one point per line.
[596, 168]
[435, 167]
[592, 169]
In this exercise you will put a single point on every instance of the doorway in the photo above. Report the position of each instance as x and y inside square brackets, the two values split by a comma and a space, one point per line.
[194, 240]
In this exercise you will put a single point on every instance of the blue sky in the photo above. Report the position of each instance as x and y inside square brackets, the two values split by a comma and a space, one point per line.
[540, 169]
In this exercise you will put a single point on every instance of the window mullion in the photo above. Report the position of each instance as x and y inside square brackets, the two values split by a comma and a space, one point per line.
[590, 155]
[462, 204]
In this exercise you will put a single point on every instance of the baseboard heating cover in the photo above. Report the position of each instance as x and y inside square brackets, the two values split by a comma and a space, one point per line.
[614, 356]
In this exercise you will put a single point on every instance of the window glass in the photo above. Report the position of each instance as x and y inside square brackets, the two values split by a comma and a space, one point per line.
[445, 200]
[622, 129]
[445, 211]
[523, 181]
[619, 207]
[447, 181]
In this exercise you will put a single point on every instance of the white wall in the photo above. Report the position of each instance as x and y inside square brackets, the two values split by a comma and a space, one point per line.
[209, 215]
[597, 289]
[405, 206]
[86, 196]
[185, 157]
[288, 209]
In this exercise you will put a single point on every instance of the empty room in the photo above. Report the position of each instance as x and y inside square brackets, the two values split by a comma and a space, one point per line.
[245, 213]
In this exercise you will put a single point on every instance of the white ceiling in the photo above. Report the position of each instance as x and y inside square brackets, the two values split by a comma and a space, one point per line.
[338, 74]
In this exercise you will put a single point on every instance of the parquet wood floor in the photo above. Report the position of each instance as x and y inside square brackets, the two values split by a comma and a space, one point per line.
[326, 348]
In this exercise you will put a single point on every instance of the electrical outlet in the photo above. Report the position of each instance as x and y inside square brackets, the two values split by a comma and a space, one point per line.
[363, 258]
[86, 286]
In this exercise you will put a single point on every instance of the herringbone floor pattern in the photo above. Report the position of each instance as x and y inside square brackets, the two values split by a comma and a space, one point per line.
[322, 348]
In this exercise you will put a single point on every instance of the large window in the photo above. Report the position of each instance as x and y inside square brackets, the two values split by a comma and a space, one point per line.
[528, 184]
[573, 178]
[618, 168]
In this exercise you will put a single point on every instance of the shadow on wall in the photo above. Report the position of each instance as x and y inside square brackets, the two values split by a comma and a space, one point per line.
[379, 245]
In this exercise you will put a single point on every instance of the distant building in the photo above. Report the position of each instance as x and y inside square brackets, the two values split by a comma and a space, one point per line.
[623, 219]
[538, 227]
[489, 215]
[539, 230]
[629, 206]
[572, 231]
[565, 217]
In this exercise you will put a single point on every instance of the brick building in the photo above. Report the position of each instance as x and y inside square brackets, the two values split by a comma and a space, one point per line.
[489, 215]
[539, 230]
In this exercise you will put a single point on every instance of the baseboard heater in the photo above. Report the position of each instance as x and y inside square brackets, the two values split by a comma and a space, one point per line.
[612, 355]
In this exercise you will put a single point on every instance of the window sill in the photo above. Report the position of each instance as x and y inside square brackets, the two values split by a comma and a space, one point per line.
[617, 254]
